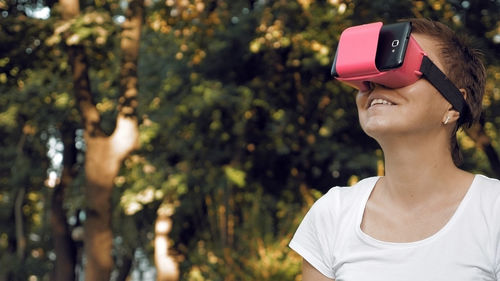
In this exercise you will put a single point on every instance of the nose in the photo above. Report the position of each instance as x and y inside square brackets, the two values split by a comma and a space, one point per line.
[370, 86]
[377, 85]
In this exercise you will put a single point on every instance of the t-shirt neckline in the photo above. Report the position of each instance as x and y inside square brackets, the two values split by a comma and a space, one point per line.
[376, 242]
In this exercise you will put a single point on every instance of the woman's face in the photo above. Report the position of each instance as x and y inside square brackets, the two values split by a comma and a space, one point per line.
[415, 109]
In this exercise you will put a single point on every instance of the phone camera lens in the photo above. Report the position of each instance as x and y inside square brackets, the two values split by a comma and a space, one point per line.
[395, 43]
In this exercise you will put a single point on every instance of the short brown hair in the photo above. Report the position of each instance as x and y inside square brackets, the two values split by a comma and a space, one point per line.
[464, 68]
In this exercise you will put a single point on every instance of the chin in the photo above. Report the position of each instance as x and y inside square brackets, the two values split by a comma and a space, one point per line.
[378, 129]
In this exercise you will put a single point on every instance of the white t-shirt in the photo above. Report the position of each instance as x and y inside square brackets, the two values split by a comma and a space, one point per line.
[466, 248]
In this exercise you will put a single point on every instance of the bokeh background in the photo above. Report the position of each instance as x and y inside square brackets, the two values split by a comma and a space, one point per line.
[186, 139]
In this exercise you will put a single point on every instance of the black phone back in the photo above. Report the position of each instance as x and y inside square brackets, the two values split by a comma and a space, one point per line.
[392, 44]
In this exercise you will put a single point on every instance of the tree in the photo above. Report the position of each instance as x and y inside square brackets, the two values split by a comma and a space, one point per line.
[256, 122]
[104, 153]
[65, 247]
[237, 129]
[25, 113]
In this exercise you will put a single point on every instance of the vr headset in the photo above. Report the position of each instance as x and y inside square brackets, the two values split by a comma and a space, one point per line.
[389, 55]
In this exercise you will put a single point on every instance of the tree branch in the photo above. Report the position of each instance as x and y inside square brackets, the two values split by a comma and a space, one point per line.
[130, 39]
[80, 68]
[126, 134]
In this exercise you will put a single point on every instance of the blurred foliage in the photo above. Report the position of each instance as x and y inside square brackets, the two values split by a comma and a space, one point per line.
[242, 127]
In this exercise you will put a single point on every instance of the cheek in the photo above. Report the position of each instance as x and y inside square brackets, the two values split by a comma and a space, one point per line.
[361, 98]
[426, 98]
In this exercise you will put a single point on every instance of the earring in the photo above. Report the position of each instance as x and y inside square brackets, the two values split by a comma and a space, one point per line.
[446, 121]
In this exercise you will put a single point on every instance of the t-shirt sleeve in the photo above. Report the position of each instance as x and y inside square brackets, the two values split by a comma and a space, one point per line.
[496, 261]
[313, 238]
[496, 214]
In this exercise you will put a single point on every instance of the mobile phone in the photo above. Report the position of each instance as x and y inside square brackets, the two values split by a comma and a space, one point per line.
[392, 44]
[391, 47]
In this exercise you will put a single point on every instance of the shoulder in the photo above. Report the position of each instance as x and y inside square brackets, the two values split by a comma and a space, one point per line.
[487, 189]
[331, 217]
[493, 185]
[340, 199]
[485, 197]
[487, 203]
[347, 192]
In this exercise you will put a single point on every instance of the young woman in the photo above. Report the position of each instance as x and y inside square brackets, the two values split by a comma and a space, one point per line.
[425, 219]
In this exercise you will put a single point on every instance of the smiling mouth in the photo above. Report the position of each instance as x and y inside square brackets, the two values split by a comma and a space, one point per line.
[380, 102]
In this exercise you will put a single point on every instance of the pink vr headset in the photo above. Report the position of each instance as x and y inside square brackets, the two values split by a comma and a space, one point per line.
[388, 55]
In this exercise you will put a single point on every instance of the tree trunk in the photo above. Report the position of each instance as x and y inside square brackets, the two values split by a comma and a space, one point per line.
[101, 167]
[166, 266]
[64, 246]
[19, 219]
[18, 207]
[104, 154]
[125, 267]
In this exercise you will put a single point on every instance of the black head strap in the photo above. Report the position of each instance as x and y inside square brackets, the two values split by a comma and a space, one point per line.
[443, 84]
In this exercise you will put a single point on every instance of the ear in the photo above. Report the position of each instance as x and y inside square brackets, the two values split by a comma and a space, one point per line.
[452, 115]
[464, 93]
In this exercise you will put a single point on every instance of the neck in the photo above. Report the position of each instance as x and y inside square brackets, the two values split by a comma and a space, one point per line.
[417, 168]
